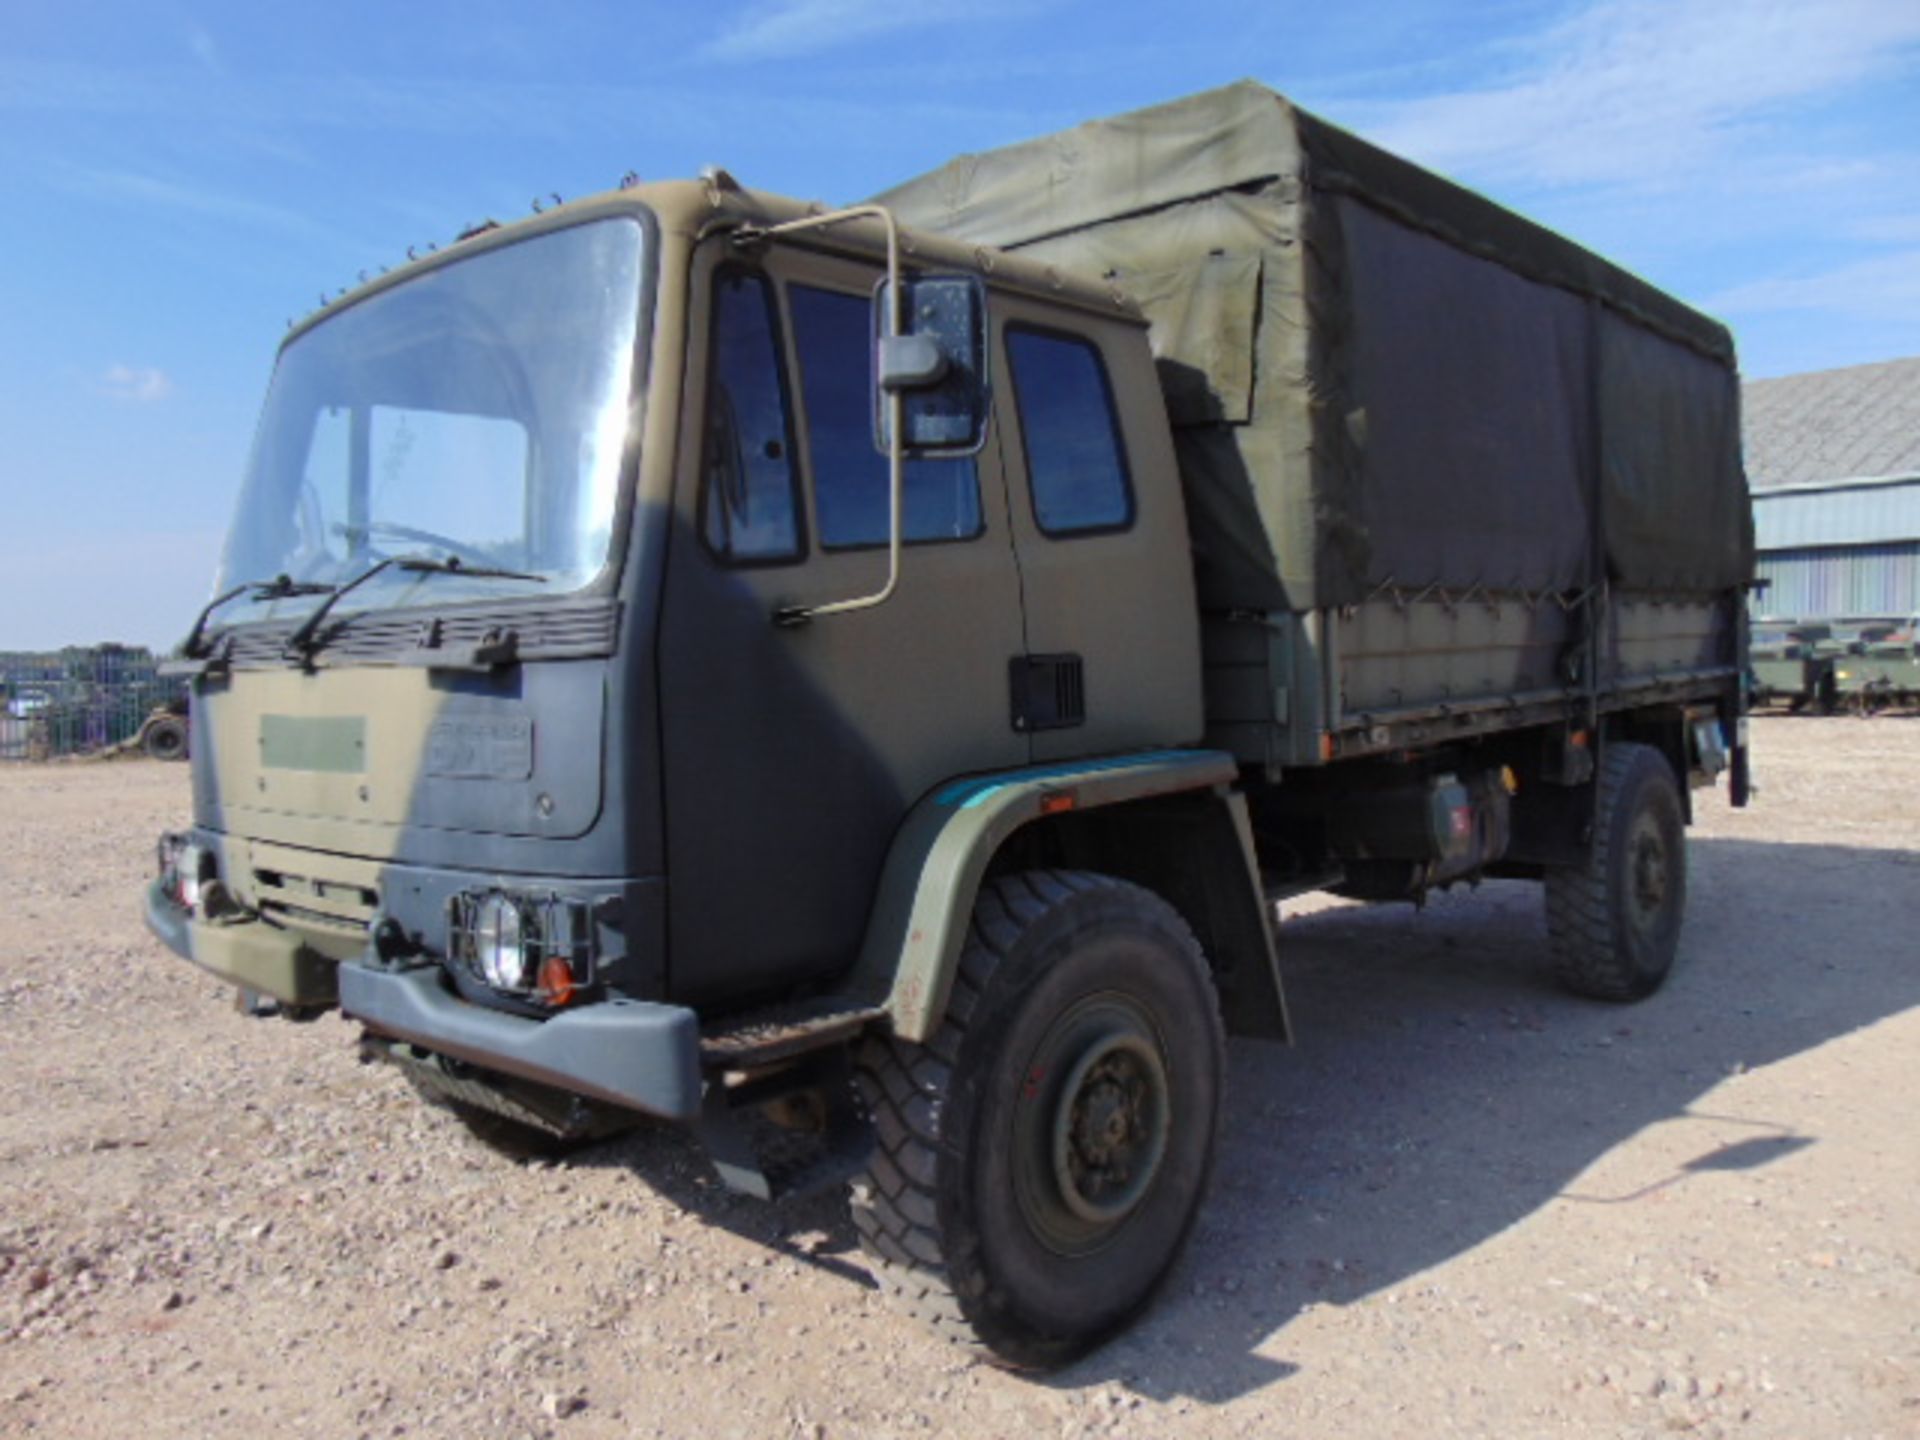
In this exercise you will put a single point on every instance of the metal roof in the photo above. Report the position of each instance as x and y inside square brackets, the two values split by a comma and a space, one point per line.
[1851, 512]
[1861, 421]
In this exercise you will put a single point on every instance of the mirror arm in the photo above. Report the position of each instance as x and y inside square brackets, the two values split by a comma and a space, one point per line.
[896, 403]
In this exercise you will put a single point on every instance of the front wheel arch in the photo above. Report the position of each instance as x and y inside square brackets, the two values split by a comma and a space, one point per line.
[1170, 821]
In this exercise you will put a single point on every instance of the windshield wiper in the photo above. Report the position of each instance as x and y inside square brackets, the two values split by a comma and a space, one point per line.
[305, 642]
[280, 587]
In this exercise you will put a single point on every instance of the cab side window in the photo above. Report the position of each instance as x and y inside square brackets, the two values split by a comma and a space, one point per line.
[1076, 464]
[940, 499]
[749, 506]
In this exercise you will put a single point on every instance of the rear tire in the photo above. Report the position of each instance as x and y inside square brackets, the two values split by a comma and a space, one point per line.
[1614, 923]
[1040, 1161]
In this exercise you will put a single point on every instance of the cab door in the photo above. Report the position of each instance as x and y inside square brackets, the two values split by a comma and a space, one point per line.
[1100, 529]
[792, 752]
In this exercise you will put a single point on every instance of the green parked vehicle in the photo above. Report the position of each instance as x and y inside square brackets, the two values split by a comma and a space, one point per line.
[856, 683]
[1881, 670]
[1794, 664]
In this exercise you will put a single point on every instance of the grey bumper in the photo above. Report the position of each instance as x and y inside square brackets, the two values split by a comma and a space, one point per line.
[167, 921]
[629, 1052]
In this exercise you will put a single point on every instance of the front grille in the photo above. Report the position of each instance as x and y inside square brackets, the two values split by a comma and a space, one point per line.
[304, 899]
[564, 629]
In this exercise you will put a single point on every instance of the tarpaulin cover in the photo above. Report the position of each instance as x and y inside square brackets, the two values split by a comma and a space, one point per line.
[1377, 378]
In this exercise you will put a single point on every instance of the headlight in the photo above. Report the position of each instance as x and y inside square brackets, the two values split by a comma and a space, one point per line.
[533, 948]
[184, 869]
[500, 943]
[193, 873]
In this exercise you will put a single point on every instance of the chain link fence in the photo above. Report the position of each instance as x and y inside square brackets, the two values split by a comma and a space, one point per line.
[77, 700]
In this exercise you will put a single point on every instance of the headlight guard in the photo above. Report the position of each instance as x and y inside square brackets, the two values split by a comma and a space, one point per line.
[533, 948]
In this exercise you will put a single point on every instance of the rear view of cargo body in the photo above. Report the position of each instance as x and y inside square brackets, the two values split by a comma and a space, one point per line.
[1446, 472]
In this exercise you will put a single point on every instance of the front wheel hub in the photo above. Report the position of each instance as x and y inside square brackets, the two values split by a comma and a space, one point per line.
[1110, 1130]
[1093, 1126]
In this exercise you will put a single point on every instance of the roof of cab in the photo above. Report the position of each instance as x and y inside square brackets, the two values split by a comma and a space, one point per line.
[693, 207]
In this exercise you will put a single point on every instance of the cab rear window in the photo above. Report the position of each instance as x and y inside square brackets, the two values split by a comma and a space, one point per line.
[1076, 464]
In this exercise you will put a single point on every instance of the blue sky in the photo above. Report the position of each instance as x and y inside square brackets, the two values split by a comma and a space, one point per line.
[183, 178]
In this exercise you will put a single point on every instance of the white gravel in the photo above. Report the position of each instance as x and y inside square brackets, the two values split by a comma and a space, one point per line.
[1463, 1204]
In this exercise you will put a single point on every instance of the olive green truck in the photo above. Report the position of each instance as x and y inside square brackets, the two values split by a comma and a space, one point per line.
[859, 682]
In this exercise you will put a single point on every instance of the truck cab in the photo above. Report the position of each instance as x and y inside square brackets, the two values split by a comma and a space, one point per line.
[540, 721]
[606, 695]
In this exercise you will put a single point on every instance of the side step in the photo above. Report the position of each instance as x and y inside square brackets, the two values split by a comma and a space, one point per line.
[779, 1116]
[758, 1038]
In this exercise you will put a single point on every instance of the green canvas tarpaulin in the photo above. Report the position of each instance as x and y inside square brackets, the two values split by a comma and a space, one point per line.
[1377, 378]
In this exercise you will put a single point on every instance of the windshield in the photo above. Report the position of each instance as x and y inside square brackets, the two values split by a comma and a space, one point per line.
[477, 412]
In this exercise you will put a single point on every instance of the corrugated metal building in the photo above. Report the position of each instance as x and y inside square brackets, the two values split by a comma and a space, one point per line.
[1834, 461]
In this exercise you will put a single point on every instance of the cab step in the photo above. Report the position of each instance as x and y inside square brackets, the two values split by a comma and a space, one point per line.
[755, 1039]
[792, 1131]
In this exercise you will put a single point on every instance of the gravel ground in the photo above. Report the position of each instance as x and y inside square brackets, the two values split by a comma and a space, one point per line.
[1464, 1203]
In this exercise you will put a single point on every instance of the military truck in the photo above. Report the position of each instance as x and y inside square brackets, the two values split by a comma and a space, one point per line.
[856, 682]
[1860, 665]
[1794, 664]
[1881, 667]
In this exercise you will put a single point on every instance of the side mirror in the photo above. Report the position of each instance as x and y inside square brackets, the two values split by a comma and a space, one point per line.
[937, 365]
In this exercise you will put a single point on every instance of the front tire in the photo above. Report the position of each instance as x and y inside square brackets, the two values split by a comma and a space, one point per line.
[1614, 922]
[1040, 1161]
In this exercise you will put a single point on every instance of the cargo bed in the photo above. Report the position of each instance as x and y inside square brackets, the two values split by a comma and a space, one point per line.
[1445, 471]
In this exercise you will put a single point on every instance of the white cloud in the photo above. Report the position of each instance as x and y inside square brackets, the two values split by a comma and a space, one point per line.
[1881, 288]
[138, 385]
[200, 42]
[198, 200]
[777, 29]
[1887, 229]
[1650, 91]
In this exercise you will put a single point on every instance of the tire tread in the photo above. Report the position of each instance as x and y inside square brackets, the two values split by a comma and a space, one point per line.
[1588, 957]
[895, 1201]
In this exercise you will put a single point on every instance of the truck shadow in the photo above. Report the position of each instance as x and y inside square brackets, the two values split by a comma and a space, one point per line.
[810, 1229]
[1442, 1090]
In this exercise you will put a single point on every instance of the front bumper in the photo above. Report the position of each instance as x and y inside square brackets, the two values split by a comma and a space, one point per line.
[635, 1053]
[244, 951]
